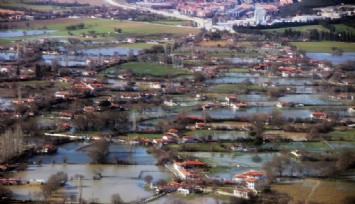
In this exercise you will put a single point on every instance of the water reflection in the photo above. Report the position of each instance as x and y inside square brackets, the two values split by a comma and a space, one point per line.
[334, 59]
[19, 33]
[122, 180]
[75, 155]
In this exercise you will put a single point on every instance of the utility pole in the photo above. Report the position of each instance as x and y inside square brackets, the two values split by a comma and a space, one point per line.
[80, 189]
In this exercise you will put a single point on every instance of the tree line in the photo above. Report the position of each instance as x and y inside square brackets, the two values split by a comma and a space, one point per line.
[55, 3]
[307, 6]
[11, 144]
[75, 27]
[316, 35]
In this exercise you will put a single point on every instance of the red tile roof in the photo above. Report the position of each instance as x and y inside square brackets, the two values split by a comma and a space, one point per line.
[250, 179]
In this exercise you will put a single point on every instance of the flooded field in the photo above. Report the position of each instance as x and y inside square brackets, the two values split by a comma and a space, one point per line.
[308, 100]
[20, 33]
[335, 59]
[110, 51]
[246, 78]
[5, 104]
[8, 56]
[220, 135]
[230, 114]
[234, 162]
[122, 180]
[117, 179]
[75, 154]
[66, 60]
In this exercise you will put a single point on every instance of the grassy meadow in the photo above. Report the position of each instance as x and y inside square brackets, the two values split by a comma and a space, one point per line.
[324, 46]
[23, 4]
[298, 28]
[103, 26]
[148, 69]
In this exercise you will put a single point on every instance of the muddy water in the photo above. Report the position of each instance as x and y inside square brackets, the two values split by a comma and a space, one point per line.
[234, 163]
[75, 155]
[127, 181]
[122, 180]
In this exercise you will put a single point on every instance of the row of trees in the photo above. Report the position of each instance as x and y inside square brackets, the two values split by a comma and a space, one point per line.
[97, 121]
[75, 26]
[11, 144]
[310, 164]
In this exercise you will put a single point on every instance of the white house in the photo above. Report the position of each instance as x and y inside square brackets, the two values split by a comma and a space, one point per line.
[184, 191]
[242, 192]
[251, 183]
[156, 85]
[61, 94]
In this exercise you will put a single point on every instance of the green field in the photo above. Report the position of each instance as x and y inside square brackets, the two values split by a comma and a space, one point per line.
[107, 26]
[338, 28]
[172, 22]
[342, 28]
[4, 41]
[238, 70]
[20, 4]
[324, 46]
[41, 83]
[148, 69]
[147, 136]
[298, 28]
[342, 135]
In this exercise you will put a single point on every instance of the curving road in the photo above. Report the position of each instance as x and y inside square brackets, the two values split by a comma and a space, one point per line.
[201, 23]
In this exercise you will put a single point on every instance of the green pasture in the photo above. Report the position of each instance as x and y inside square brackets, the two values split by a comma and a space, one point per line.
[107, 26]
[148, 69]
[343, 135]
[172, 22]
[239, 70]
[137, 45]
[298, 28]
[41, 83]
[324, 46]
[344, 28]
[21, 4]
[147, 136]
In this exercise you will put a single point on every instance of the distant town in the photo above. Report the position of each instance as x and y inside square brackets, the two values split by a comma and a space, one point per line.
[177, 101]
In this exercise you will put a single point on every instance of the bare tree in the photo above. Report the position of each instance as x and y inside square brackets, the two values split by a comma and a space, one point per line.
[116, 199]
[99, 151]
[148, 179]
[53, 183]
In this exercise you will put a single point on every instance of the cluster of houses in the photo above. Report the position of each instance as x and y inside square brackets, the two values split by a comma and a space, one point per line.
[191, 172]
[234, 103]
[172, 137]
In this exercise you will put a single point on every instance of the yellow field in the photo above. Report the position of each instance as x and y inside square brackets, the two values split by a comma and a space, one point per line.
[320, 191]
[296, 136]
